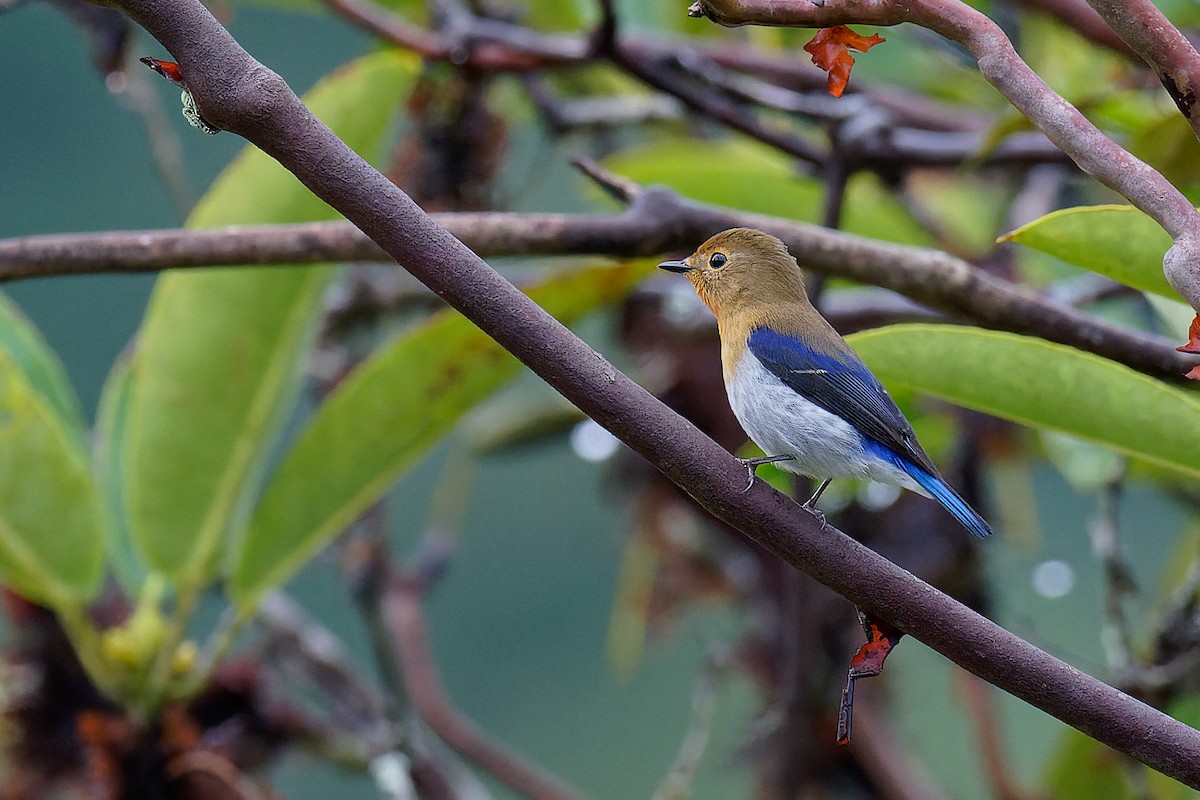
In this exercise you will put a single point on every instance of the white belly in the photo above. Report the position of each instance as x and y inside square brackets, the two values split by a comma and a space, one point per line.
[822, 445]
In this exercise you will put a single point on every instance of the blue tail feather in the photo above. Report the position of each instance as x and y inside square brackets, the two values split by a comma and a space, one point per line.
[944, 494]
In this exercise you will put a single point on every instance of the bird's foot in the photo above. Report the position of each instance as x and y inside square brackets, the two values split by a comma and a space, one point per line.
[810, 505]
[752, 464]
[816, 512]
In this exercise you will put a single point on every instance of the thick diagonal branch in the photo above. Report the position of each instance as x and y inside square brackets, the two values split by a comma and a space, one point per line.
[238, 94]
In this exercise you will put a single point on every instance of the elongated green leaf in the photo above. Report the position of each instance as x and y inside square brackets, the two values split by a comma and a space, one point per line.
[112, 422]
[1118, 241]
[1083, 769]
[385, 416]
[220, 352]
[755, 178]
[24, 343]
[50, 519]
[1039, 383]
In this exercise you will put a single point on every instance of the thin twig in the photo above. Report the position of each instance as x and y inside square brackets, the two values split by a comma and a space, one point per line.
[679, 779]
[1062, 123]
[981, 712]
[883, 752]
[659, 74]
[617, 187]
[296, 640]
[876, 139]
[935, 136]
[405, 619]
[166, 150]
[1118, 579]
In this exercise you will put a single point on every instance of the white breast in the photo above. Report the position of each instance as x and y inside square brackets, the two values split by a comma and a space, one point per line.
[781, 422]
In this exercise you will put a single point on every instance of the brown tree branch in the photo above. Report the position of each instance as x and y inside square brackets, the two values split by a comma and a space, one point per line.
[659, 221]
[1063, 124]
[710, 106]
[901, 104]
[913, 131]
[886, 143]
[236, 93]
[484, 55]
[405, 620]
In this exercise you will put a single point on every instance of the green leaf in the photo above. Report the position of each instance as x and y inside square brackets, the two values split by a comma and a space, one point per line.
[1118, 241]
[1084, 769]
[1066, 61]
[220, 353]
[51, 547]
[108, 459]
[752, 177]
[966, 208]
[1087, 467]
[382, 418]
[24, 343]
[1039, 383]
[1167, 143]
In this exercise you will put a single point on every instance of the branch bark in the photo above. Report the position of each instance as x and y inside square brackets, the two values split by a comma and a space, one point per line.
[1063, 124]
[657, 222]
[907, 135]
[236, 93]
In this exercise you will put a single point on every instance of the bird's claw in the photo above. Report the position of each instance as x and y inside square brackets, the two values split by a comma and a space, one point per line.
[753, 463]
[810, 505]
[811, 508]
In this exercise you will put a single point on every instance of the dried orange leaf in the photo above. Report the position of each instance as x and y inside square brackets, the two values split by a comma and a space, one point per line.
[830, 50]
[1193, 343]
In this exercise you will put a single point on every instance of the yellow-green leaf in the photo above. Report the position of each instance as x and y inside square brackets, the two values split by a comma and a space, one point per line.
[1039, 383]
[220, 352]
[112, 422]
[1118, 241]
[1083, 769]
[752, 177]
[50, 518]
[24, 343]
[382, 418]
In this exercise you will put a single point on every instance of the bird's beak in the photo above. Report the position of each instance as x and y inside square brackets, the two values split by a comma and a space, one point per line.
[676, 266]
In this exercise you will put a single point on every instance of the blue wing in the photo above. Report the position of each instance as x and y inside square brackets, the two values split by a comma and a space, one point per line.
[950, 499]
[841, 385]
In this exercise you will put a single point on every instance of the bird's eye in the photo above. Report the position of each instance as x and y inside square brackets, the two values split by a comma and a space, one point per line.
[717, 260]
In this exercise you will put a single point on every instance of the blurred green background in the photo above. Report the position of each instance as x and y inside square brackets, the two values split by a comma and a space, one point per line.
[519, 623]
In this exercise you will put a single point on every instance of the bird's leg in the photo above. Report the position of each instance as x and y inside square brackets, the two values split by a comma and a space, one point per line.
[752, 464]
[810, 504]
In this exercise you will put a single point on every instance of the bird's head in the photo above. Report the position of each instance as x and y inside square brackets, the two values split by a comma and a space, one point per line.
[740, 269]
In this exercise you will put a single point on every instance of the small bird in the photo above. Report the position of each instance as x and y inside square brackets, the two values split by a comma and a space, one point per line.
[798, 389]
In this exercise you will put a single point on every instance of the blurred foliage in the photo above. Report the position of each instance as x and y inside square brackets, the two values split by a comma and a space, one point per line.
[385, 415]
[197, 481]
[50, 523]
[752, 177]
